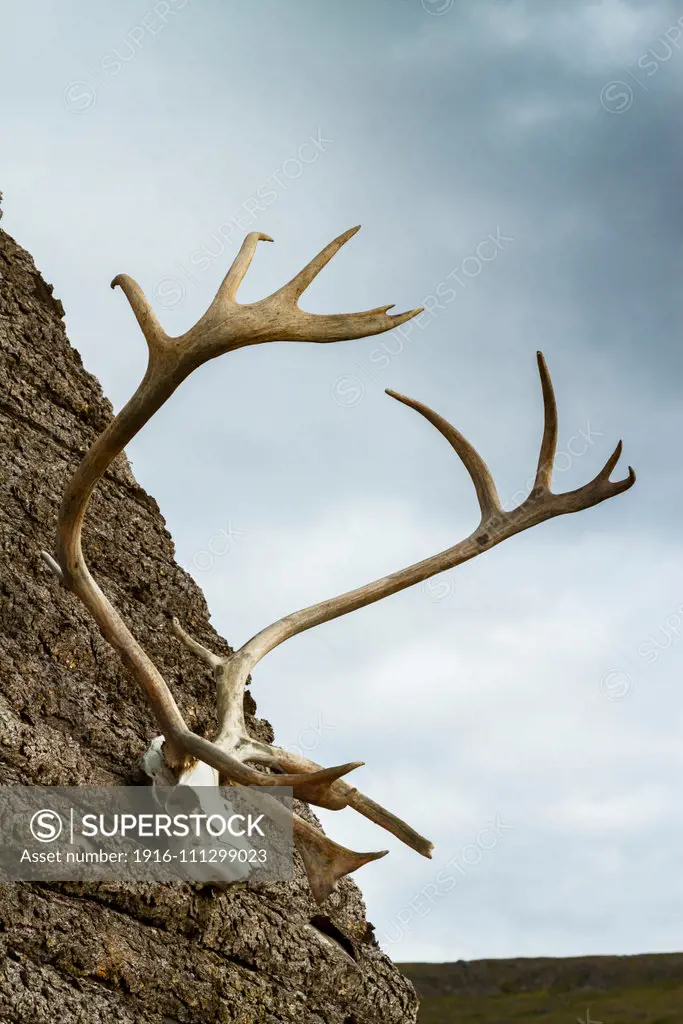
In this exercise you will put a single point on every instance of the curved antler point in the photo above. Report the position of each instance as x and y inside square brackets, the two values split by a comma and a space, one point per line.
[345, 236]
[400, 318]
[542, 364]
[611, 462]
[623, 485]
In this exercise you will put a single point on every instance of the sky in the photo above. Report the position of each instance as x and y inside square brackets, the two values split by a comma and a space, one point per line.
[525, 711]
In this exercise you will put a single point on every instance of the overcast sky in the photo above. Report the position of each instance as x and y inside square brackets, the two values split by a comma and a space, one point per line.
[539, 688]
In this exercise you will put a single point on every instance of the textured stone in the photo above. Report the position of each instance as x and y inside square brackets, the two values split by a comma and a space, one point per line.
[71, 715]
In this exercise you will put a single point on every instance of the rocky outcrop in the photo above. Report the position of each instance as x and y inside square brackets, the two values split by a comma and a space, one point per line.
[71, 715]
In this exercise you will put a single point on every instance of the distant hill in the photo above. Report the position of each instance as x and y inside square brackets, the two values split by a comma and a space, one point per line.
[645, 989]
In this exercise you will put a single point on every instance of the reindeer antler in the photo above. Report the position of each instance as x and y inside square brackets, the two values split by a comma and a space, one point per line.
[225, 326]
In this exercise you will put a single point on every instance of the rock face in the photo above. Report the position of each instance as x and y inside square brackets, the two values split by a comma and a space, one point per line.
[70, 715]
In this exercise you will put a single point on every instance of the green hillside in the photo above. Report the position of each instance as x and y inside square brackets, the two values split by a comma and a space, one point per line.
[644, 989]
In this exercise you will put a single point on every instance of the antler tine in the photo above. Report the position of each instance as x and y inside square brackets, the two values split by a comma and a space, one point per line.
[211, 659]
[229, 692]
[240, 266]
[295, 288]
[326, 328]
[154, 334]
[388, 821]
[546, 457]
[325, 861]
[611, 462]
[338, 326]
[489, 502]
